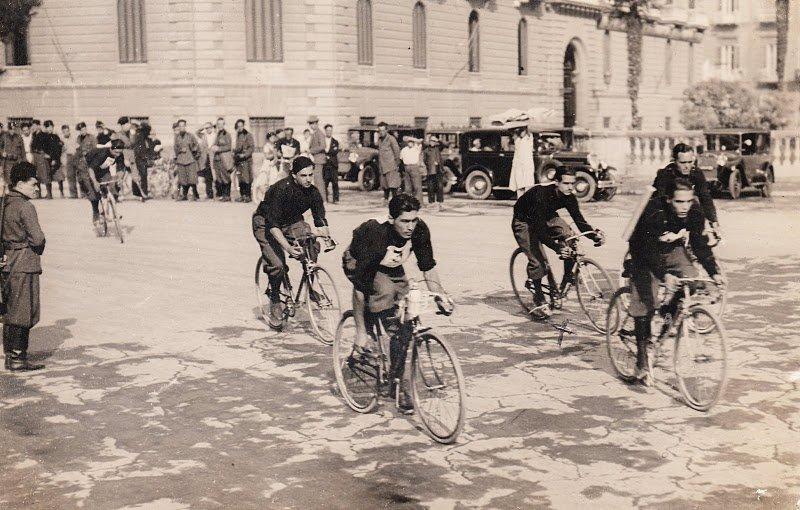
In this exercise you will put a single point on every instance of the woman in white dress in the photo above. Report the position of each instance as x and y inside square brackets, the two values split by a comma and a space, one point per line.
[522, 168]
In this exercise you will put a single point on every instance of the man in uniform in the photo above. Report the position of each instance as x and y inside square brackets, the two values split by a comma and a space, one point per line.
[54, 147]
[41, 160]
[13, 152]
[330, 171]
[206, 138]
[222, 152]
[317, 150]
[243, 155]
[23, 244]
[186, 153]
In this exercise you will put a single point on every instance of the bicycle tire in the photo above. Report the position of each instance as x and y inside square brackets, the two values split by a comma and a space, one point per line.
[596, 297]
[101, 225]
[523, 295]
[117, 225]
[701, 350]
[324, 311]
[717, 307]
[262, 289]
[428, 378]
[358, 388]
[621, 350]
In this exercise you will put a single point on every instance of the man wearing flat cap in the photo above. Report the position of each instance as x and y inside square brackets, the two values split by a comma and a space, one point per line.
[317, 149]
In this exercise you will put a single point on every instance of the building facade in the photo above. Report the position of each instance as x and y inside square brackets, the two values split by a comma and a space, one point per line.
[741, 43]
[273, 62]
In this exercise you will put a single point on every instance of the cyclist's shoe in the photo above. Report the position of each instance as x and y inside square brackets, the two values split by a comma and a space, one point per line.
[642, 376]
[276, 316]
[541, 310]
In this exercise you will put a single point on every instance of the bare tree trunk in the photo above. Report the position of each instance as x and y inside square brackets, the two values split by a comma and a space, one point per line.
[634, 37]
[782, 29]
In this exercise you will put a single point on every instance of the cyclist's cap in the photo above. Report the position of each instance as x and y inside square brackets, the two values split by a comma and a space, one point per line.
[123, 120]
[301, 163]
[117, 144]
[98, 124]
[79, 126]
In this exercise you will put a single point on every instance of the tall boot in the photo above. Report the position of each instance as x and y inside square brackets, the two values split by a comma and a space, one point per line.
[8, 343]
[17, 360]
[641, 328]
[61, 188]
[49, 188]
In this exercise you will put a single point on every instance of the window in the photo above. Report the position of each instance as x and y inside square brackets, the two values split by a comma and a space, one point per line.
[668, 62]
[729, 6]
[421, 122]
[729, 57]
[691, 4]
[475, 122]
[366, 121]
[606, 122]
[607, 57]
[770, 57]
[138, 119]
[667, 123]
[474, 43]
[690, 74]
[522, 47]
[420, 41]
[16, 49]
[260, 126]
[364, 31]
[18, 121]
[130, 30]
[264, 28]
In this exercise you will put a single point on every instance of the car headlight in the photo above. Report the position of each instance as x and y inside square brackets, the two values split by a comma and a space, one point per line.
[722, 160]
[593, 161]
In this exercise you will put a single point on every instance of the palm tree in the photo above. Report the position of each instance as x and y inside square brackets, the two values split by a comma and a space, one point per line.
[632, 12]
[782, 29]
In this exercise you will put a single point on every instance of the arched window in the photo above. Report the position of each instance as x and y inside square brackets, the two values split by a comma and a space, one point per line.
[364, 29]
[522, 47]
[474, 43]
[264, 30]
[130, 31]
[420, 36]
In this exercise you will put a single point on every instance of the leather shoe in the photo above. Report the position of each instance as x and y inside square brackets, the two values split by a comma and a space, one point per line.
[18, 362]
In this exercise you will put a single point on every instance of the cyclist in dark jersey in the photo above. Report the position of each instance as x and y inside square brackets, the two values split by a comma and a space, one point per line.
[99, 163]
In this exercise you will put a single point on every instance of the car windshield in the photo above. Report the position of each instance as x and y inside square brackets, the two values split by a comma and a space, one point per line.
[446, 138]
[551, 142]
[754, 143]
[722, 142]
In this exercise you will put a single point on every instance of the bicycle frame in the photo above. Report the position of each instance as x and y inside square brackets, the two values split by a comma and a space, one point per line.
[308, 265]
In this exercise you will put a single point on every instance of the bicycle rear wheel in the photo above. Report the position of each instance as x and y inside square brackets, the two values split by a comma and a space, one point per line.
[700, 360]
[262, 289]
[117, 227]
[594, 288]
[357, 383]
[437, 388]
[518, 269]
[101, 224]
[324, 305]
[620, 337]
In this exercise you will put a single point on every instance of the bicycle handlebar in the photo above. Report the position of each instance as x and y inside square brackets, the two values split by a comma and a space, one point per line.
[582, 234]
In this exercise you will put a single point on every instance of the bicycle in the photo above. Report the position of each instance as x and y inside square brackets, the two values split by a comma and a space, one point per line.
[699, 353]
[593, 285]
[108, 211]
[437, 383]
[317, 290]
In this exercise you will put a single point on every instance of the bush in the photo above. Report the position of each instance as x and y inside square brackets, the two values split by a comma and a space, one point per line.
[716, 103]
[776, 109]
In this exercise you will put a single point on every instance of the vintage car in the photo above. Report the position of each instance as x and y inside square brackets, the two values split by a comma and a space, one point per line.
[450, 139]
[486, 165]
[358, 156]
[734, 159]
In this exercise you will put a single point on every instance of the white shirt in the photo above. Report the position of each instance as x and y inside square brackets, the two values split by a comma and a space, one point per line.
[211, 138]
[27, 141]
[328, 142]
[410, 155]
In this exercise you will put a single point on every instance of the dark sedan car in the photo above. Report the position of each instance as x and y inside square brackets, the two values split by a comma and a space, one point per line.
[358, 157]
[735, 159]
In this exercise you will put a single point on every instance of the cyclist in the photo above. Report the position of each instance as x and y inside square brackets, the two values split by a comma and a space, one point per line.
[102, 164]
[536, 222]
[684, 166]
[658, 249]
[279, 218]
[374, 263]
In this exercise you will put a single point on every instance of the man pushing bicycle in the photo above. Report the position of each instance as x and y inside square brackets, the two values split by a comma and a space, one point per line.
[658, 251]
[374, 264]
[536, 222]
[278, 221]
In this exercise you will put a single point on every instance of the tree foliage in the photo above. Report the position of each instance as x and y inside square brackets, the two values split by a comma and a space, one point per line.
[782, 35]
[15, 16]
[715, 103]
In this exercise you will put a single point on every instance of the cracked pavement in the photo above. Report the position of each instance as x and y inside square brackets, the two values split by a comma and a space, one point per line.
[163, 390]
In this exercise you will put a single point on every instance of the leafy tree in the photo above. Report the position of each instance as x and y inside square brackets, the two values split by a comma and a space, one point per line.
[775, 109]
[15, 16]
[718, 103]
[782, 31]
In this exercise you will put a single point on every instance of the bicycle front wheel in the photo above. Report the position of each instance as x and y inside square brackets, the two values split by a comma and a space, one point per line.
[262, 289]
[620, 336]
[594, 288]
[700, 359]
[437, 386]
[518, 269]
[324, 305]
[100, 224]
[357, 383]
[112, 210]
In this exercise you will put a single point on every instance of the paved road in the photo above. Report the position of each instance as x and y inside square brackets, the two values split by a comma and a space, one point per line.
[163, 390]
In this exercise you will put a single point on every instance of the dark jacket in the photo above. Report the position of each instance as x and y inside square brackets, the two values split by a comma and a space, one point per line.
[13, 147]
[95, 160]
[540, 204]
[371, 244]
[432, 155]
[665, 180]
[332, 154]
[23, 239]
[658, 218]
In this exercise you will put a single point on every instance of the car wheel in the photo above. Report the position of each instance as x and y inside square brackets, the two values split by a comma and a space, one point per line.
[766, 189]
[367, 178]
[585, 186]
[735, 184]
[546, 173]
[448, 181]
[478, 185]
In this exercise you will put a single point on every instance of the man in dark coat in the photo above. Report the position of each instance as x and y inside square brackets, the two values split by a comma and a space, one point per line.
[187, 152]
[53, 148]
[330, 171]
[222, 153]
[23, 243]
[13, 151]
[684, 166]
[243, 155]
[141, 156]
[41, 160]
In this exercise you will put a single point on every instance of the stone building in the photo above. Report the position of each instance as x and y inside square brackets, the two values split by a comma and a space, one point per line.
[451, 62]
